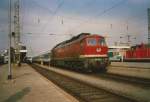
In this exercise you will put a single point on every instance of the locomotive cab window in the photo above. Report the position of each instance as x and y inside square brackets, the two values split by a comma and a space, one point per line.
[81, 43]
[91, 41]
[102, 42]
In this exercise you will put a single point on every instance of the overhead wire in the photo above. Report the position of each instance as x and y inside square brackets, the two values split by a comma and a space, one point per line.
[84, 21]
[77, 19]
[35, 3]
[80, 9]
[43, 34]
[54, 13]
[112, 7]
[57, 9]
[99, 14]
[26, 12]
[49, 10]
[45, 8]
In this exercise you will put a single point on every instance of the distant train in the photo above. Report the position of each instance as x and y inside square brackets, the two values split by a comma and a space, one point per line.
[1, 59]
[138, 53]
[40, 59]
[85, 51]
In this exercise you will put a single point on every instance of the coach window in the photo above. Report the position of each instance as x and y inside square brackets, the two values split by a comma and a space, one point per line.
[91, 41]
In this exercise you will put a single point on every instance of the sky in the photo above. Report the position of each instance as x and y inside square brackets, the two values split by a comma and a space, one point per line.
[45, 23]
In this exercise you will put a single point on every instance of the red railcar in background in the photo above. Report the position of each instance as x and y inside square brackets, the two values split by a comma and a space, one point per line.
[84, 51]
[138, 53]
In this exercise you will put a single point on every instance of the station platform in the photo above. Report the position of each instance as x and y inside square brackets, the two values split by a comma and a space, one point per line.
[130, 69]
[28, 85]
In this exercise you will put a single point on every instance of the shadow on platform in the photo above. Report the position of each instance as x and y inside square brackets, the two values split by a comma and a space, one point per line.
[17, 96]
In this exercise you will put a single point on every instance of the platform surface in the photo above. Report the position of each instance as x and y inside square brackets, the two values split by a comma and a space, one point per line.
[28, 85]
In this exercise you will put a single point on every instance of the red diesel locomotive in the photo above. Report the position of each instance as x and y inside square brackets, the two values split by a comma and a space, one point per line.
[84, 51]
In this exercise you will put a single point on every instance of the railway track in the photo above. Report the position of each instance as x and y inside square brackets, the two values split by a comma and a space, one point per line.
[121, 78]
[80, 90]
[125, 79]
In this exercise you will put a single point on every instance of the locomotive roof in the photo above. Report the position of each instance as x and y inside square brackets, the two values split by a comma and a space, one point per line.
[72, 39]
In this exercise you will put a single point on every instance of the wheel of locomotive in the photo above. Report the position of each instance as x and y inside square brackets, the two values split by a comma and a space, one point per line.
[87, 67]
[103, 69]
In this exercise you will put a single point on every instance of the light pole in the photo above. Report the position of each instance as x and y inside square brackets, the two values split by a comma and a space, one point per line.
[9, 44]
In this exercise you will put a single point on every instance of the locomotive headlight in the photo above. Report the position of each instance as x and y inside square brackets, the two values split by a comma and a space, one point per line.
[98, 50]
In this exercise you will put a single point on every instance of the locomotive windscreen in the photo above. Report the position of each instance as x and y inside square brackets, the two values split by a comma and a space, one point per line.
[102, 42]
[91, 41]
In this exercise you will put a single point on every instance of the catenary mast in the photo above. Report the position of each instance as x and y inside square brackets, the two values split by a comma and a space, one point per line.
[148, 25]
[17, 31]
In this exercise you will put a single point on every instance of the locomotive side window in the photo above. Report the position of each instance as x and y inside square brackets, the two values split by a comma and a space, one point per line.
[81, 43]
[91, 41]
[102, 42]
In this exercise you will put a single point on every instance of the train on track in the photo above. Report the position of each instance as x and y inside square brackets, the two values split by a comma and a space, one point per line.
[1, 59]
[86, 52]
[138, 53]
